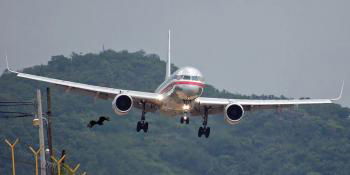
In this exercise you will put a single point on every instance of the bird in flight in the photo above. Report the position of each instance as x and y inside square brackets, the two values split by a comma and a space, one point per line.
[100, 121]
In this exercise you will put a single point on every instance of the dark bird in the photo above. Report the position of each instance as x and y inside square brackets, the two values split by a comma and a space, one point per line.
[100, 121]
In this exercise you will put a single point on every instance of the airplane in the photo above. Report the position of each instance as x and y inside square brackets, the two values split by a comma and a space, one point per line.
[180, 94]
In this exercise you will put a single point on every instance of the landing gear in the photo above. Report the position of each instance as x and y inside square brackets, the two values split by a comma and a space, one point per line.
[186, 108]
[204, 130]
[142, 124]
[185, 119]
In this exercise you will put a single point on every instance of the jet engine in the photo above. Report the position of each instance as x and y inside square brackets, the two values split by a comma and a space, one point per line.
[122, 104]
[233, 113]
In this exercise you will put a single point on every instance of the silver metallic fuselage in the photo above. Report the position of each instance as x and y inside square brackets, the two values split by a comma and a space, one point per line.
[180, 90]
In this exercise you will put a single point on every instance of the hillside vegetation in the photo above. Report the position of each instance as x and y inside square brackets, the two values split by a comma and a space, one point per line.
[311, 140]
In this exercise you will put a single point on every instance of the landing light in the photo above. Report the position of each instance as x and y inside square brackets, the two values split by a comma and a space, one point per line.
[160, 97]
[186, 107]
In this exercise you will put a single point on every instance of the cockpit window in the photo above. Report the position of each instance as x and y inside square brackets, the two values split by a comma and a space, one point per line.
[195, 78]
[178, 77]
[186, 77]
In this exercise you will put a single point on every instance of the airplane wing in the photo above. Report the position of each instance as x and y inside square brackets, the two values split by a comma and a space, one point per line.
[217, 105]
[91, 90]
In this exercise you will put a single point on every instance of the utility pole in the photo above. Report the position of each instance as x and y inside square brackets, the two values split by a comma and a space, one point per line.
[41, 134]
[49, 131]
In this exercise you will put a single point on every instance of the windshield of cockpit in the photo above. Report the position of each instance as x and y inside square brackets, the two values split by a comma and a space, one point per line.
[188, 77]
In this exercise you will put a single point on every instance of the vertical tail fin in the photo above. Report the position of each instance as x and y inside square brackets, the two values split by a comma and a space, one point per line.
[168, 63]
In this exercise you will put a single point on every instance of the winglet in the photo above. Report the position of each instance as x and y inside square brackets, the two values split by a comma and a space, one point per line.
[341, 93]
[7, 65]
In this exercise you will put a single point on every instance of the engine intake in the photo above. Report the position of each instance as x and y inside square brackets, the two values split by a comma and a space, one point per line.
[122, 104]
[233, 113]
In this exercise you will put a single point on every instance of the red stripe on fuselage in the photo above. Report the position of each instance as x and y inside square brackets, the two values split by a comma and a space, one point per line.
[170, 86]
[190, 83]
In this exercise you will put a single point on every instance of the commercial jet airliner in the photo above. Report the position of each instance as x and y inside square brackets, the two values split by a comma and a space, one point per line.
[179, 95]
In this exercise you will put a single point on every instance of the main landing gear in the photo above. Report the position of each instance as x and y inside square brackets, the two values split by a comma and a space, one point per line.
[142, 124]
[204, 130]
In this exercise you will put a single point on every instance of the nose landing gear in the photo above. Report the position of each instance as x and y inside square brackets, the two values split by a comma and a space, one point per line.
[204, 130]
[185, 119]
[186, 108]
[142, 124]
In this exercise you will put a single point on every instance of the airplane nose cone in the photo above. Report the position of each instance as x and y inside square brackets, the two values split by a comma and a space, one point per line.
[188, 91]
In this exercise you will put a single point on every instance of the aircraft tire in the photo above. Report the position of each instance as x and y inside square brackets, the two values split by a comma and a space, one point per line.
[187, 121]
[200, 132]
[207, 132]
[145, 127]
[138, 127]
[182, 120]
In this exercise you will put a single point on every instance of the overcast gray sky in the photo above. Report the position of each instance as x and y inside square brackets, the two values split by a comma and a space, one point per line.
[293, 47]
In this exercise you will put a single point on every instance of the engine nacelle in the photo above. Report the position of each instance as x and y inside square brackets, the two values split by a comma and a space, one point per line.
[122, 104]
[233, 113]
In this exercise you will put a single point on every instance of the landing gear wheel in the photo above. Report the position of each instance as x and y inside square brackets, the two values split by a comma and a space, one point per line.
[207, 132]
[182, 120]
[145, 127]
[200, 131]
[139, 126]
[187, 121]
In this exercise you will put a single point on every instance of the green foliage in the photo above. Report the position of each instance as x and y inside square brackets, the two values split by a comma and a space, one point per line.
[312, 140]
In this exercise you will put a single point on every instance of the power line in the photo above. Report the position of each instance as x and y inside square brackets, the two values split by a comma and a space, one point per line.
[13, 102]
[17, 104]
[6, 104]
[11, 112]
[16, 116]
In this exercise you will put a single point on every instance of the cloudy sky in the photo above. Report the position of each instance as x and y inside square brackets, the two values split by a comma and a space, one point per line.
[293, 47]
